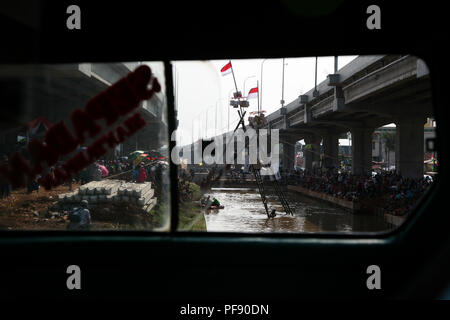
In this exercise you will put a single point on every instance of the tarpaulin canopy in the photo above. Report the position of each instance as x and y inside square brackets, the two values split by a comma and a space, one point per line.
[135, 154]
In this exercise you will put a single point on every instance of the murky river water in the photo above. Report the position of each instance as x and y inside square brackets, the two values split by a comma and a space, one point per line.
[244, 212]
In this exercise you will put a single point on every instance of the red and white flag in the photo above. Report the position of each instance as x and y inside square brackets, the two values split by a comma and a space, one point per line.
[226, 69]
[253, 93]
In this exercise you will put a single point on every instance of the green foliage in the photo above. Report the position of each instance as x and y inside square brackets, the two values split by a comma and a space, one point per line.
[191, 217]
[389, 139]
[160, 213]
[195, 189]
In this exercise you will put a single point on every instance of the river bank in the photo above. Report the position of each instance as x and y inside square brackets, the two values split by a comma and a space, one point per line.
[353, 206]
[191, 216]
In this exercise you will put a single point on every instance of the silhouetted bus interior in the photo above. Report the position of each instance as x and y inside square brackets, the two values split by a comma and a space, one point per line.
[354, 144]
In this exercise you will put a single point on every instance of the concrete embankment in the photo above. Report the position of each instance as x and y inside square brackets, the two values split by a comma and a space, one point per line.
[351, 205]
[392, 220]
[354, 207]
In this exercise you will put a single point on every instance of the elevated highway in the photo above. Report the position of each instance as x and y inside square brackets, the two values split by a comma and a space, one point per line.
[54, 91]
[369, 92]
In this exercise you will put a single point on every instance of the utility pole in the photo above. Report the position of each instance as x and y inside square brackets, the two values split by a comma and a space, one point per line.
[228, 119]
[262, 66]
[246, 81]
[228, 101]
[315, 93]
[257, 87]
[206, 126]
[199, 131]
[193, 131]
[282, 88]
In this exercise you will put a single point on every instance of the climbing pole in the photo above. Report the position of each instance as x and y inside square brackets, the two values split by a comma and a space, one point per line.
[261, 190]
[282, 197]
[238, 103]
[259, 180]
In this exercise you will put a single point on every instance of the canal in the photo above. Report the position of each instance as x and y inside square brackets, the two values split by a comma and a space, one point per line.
[244, 212]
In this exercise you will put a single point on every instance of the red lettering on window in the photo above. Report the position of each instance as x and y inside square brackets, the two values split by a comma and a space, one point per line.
[18, 170]
[39, 153]
[75, 164]
[122, 97]
[59, 138]
[111, 139]
[60, 176]
[156, 87]
[97, 150]
[48, 181]
[139, 80]
[118, 100]
[82, 123]
[121, 134]
[134, 123]
[100, 107]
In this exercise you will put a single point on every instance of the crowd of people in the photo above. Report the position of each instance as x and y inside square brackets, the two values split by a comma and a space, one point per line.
[397, 194]
[144, 171]
[5, 186]
[122, 168]
[103, 168]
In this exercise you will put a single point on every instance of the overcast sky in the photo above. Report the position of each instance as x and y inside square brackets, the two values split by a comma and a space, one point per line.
[201, 88]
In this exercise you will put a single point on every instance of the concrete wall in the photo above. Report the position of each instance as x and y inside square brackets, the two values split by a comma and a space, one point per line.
[351, 205]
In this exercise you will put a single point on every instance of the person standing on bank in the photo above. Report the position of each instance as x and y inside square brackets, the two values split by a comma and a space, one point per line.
[80, 218]
[142, 176]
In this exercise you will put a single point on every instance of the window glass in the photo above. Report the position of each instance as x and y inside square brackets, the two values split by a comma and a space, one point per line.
[84, 147]
[331, 144]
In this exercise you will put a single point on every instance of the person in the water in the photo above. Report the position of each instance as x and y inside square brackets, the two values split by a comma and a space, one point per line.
[272, 214]
[216, 202]
[208, 202]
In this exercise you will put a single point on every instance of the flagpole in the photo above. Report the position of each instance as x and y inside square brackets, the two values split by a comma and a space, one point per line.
[257, 88]
[315, 93]
[234, 79]
[282, 88]
[235, 85]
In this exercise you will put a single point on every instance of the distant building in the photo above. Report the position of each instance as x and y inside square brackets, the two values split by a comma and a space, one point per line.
[383, 150]
[380, 150]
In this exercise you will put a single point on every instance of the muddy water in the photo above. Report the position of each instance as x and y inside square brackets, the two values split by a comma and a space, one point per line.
[244, 212]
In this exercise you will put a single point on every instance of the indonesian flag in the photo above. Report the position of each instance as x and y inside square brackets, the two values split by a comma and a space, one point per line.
[226, 69]
[253, 93]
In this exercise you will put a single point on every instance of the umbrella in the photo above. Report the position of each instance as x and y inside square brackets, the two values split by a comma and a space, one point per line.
[139, 158]
[105, 171]
[136, 153]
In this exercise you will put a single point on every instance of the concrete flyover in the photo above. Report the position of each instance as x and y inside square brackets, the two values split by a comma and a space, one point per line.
[367, 93]
[54, 91]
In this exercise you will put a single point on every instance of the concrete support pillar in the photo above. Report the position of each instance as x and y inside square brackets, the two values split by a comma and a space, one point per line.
[361, 150]
[288, 152]
[330, 150]
[409, 147]
[147, 138]
[312, 153]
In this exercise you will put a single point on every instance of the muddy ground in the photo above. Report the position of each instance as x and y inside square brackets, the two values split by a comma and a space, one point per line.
[40, 211]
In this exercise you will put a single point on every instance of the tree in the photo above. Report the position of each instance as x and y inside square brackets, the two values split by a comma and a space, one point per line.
[388, 137]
